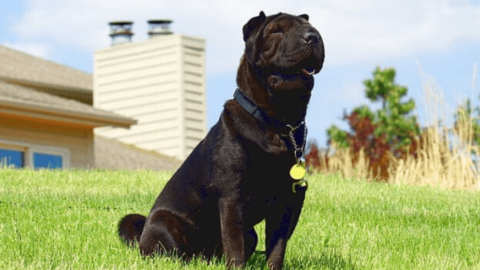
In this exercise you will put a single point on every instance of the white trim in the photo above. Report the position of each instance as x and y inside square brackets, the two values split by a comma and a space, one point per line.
[22, 149]
[30, 148]
[57, 151]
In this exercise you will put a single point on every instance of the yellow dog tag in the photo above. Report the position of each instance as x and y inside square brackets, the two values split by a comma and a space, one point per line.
[298, 171]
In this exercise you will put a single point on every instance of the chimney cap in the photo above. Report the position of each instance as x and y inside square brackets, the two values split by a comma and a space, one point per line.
[160, 21]
[120, 23]
[159, 27]
[121, 32]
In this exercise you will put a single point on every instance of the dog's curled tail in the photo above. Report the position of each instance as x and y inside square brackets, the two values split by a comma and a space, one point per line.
[130, 228]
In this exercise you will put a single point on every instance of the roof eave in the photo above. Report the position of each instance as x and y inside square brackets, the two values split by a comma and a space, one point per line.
[59, 115]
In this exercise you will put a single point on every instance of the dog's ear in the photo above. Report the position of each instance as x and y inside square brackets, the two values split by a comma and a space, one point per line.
[305, 16]
[252, 24]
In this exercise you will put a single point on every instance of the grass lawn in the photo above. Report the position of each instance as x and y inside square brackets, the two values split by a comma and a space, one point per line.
[68, 219]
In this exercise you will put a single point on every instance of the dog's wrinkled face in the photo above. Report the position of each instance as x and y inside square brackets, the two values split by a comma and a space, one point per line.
[286, 50]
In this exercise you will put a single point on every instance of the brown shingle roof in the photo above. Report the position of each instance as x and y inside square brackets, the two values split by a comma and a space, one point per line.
[25, 98]
[19, 66]
[114, 155]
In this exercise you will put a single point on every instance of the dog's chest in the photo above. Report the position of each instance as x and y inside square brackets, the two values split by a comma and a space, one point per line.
[267, 186]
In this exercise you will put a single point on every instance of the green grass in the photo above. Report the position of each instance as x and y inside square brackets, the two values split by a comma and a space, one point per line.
[68, 220]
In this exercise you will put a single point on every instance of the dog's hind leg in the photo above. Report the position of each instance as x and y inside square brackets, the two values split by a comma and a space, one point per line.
[130, 228]
[164, 233]
[250, 240]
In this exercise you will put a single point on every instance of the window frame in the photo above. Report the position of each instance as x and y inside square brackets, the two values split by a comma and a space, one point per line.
[16, 148]
[29, 149]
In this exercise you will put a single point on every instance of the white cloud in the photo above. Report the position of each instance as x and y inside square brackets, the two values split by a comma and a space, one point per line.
[386, 29]
[41, 50]
[350, 94]
[353, 31]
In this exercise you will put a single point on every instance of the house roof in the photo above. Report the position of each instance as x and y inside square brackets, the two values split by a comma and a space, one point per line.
[28, 70]
[114, 155]
[26, 67]
[20, 101]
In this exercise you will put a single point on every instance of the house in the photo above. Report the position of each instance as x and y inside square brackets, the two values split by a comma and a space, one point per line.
[160, 82]
[47, 119]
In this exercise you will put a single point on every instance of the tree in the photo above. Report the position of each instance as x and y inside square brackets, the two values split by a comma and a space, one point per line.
[390, 129]
[394, 119]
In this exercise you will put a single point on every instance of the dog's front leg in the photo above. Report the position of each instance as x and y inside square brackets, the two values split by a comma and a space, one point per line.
[232, 232]
[278, 227]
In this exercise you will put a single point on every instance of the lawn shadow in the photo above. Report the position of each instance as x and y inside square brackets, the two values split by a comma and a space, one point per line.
[257, 261]
[329, 259]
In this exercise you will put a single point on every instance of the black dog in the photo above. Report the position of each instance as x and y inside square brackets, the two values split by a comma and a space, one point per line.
[239, 174]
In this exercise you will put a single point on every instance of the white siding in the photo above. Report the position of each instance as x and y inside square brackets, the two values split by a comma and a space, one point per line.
[159, 82]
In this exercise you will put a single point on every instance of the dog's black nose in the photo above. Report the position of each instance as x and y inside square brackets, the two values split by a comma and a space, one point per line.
[311, 37]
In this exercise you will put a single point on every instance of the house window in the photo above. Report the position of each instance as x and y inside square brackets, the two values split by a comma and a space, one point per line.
[47, 161]
[12, 158]
[20, 155]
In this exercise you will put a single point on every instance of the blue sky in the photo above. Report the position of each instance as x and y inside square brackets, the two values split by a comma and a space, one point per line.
[435, 41]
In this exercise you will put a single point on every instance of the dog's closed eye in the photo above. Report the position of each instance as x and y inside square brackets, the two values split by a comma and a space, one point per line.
[275, 29]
